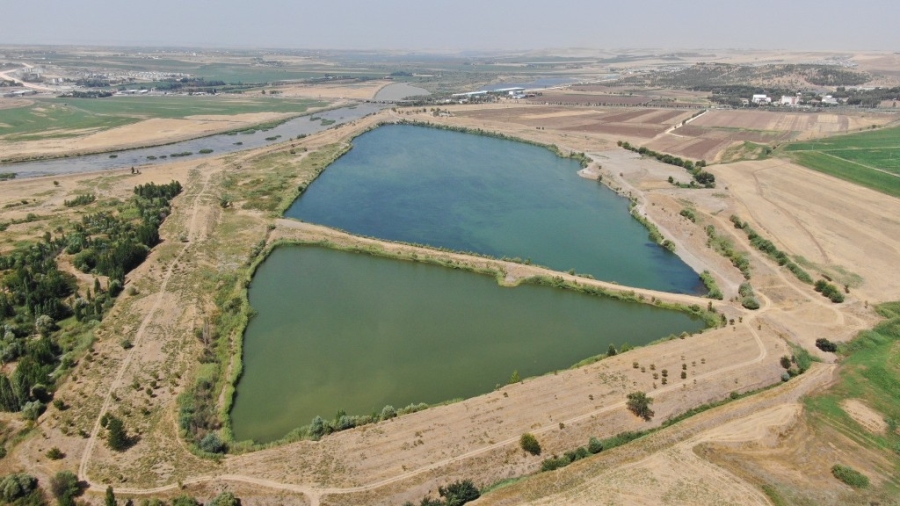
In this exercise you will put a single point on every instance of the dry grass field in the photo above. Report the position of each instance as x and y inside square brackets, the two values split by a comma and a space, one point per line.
[723, 455]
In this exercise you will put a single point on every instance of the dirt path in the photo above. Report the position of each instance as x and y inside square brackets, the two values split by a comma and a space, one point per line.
[139, 335]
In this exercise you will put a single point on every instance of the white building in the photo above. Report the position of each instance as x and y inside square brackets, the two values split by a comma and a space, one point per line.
[788, 100]
[761, 99]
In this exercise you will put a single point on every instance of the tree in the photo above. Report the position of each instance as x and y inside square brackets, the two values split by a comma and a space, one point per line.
[64, 486]
[14, 486]
[116, 437]
[639, 404]
[317, 428]
[110, 497]
[515, 377]
[459, 493]
[530, 444]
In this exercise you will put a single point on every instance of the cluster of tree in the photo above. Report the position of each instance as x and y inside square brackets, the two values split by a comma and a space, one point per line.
[20, 489]
[829, 290]
[114, 244]
[81, 200]
[35, 294]
[593, 447]
[709, 76]
[454, 494]
[867, 98]
[748, 297]
[89, 94]
[701, 177]
[725, 248]
[767, 247]
[189, 83]
[714, 292]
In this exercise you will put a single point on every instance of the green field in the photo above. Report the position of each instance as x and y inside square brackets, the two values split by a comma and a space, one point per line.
[66, 117]
[868, 159]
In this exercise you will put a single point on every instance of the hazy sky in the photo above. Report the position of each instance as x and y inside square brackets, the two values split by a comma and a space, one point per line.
[457, 24]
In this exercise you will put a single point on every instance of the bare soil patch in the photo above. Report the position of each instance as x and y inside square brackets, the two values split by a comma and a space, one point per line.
[867, 417]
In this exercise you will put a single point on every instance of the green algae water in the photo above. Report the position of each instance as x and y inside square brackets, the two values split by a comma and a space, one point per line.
[348, 331]
[492, 196]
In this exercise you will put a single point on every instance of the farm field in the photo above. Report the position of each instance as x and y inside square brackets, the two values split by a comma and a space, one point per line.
[66, 117]
[631, 123]
[714, 135]
[870, 159]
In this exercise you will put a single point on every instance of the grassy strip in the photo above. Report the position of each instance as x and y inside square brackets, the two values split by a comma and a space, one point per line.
[849, 171]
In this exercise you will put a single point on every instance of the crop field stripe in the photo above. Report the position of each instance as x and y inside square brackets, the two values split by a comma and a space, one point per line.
[874, 179]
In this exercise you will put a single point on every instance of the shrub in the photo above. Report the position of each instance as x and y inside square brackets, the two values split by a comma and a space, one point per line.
[639, 404]
[225, 499]
[530, 444]
[850, 476]
[211, 443]
[32, 410]
[595, 446]
[750, 303]
[185, 500]
[459, 493]
[388, 412]
[785, 376]
[825, 345]
[786, 362]
[55, 453]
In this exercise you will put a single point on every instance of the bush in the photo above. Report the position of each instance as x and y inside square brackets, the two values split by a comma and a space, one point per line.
[825, 345]
[225, 499]
[388, 412]
[55, 453]
[595, 446]
[530, 444]
[185, 500]
[32, 410]
[750, 303]
[459, 493]
[786, 362]
[850, 476]
[211, 443]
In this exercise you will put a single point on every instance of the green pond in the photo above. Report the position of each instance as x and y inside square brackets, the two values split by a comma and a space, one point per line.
[348, 331]
[493, 196]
